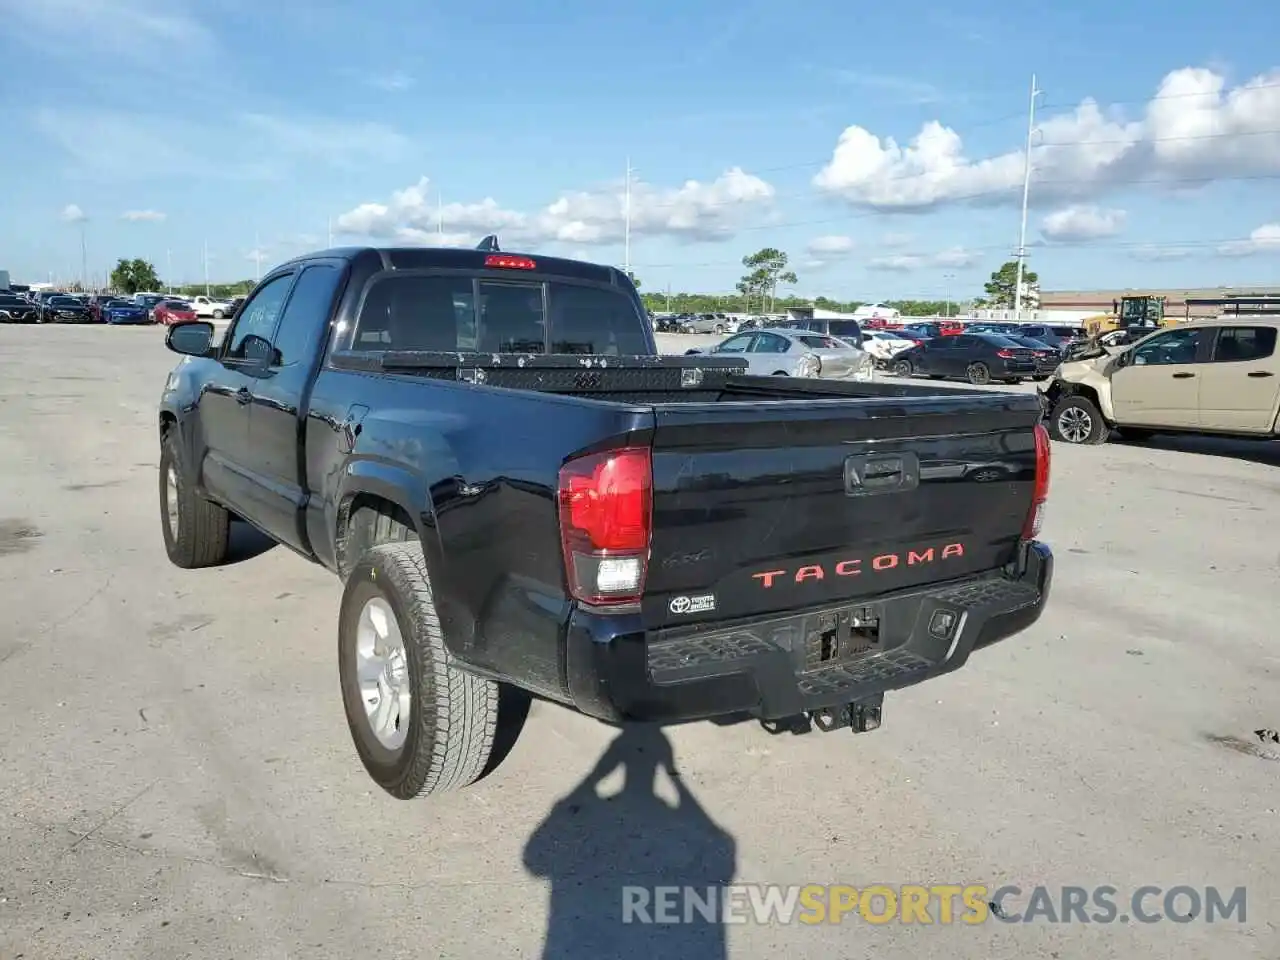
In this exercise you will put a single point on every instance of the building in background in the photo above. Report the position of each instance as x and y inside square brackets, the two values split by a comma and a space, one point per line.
[1058, 304]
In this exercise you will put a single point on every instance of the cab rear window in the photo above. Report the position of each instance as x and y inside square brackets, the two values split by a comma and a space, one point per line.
[450, 313]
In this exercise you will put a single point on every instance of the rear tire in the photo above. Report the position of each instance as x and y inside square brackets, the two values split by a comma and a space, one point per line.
[218, 314]
[903, 368]
[978, 374]
[442, 734]
[197, 532]
[1078, 420]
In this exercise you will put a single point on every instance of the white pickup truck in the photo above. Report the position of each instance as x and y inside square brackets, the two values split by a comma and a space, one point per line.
[209, 307]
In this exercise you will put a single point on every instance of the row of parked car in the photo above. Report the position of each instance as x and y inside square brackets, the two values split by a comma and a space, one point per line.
[979, 352]
[114, 309]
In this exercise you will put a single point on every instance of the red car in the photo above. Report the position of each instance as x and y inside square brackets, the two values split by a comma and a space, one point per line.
[170, 312]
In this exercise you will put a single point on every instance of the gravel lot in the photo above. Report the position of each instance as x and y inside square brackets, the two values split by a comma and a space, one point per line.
[178, 781]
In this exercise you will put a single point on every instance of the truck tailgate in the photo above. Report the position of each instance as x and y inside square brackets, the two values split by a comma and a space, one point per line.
[786, 505]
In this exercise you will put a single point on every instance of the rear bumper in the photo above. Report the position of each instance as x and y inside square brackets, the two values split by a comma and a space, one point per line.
[758, 668]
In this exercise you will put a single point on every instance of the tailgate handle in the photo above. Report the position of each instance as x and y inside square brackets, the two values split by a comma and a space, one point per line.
[885, 473]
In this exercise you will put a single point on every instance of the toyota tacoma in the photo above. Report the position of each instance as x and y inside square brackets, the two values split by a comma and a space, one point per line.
[519, 494]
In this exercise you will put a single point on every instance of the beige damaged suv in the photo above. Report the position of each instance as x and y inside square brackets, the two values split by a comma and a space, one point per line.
[1209, 376]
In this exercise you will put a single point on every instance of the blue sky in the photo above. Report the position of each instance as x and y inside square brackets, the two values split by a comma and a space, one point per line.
[878, 144]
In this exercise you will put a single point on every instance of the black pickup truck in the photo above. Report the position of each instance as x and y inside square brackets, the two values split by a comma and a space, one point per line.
[521, 495]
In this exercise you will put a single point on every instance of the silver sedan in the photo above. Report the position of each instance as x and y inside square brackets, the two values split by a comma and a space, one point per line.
[796, 353]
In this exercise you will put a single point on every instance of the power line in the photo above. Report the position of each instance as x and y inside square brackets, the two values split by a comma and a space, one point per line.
[1162, 244]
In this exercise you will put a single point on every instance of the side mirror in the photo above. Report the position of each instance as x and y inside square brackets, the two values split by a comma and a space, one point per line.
[193, 338]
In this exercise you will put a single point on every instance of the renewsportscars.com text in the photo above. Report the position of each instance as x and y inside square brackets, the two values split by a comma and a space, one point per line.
[941, 904]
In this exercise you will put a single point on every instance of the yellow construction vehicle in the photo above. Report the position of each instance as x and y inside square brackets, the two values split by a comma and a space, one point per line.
[1142, 311]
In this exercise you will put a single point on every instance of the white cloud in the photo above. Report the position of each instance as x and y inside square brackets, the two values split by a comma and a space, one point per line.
[1193, 128]
[830, 244]
[903, 89]
[143, 216]
[72, 213]
[115, 145]
[907, 262]
[1265, 239]
[391, 82]
[1154, 253]
[128, 28]
[896, 239]
[1082, 222]
[693, 211]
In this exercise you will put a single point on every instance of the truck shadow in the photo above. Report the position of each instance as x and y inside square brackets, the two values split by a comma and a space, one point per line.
[604, 857]
[1263, 451]
[246, 542]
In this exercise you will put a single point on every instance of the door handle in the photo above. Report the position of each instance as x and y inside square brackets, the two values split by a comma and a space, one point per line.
[243, 396]
[1260, 373]
[1182, 376]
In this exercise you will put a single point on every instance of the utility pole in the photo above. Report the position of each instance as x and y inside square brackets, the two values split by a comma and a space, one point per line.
[1026, 194]
[84, 260]
[668, 297]
[946, 293]
[206, 268]
[626, 256]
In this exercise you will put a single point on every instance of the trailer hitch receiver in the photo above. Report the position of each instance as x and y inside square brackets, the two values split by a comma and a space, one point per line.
[860, 716]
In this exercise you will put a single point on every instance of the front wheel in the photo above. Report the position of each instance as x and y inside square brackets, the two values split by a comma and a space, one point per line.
[1077, 420]
[420, 724]
[978, 374]
[719, 328]
[218, 314]
[197, 531]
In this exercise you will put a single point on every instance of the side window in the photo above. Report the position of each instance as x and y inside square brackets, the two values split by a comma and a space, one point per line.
[736, 344]
[1241, 344]
[251, 336]
[1176, 346]
[415, 312]
[306, 315]
[770, 343]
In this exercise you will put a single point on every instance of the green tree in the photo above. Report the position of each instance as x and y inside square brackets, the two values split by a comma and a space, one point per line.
[130, 276]
[765, 270]
[1000, 288]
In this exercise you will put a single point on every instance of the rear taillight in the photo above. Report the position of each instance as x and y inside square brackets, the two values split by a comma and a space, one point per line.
[1005, 354]
[1040, 493]
[507, 262]
[606, 517]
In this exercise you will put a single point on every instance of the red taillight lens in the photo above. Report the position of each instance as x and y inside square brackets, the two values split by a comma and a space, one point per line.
[1040, 493]
[1005, 354]
[606, 517]
[508, 262]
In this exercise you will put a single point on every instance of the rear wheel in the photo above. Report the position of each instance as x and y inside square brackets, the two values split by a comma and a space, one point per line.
[978, 373]
[903, 368]
[420, 725]
[196, 531]
[719, 328]
[1077, 420]
[218, 314]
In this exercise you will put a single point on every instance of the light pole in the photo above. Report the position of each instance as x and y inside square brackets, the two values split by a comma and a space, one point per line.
[1026, 193]
[947, 279]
